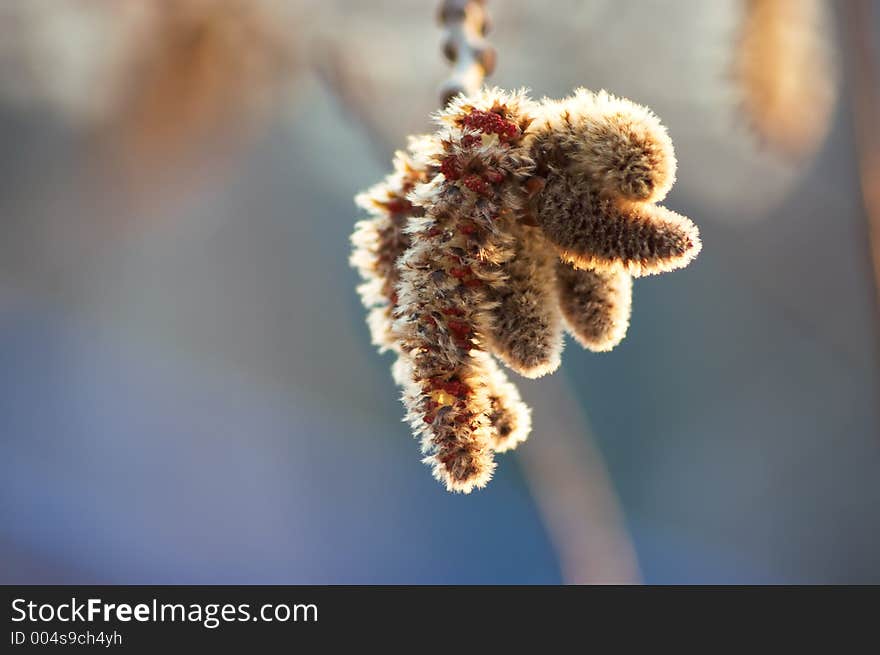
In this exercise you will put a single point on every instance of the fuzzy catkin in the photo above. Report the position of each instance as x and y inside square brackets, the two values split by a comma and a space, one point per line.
[594, 230]
[447, 278]
[526, 329]
[510, 417]
[604, 162]
[380, 240]
[596, 305]
[378, 243]
[609, 144]
[513, 219]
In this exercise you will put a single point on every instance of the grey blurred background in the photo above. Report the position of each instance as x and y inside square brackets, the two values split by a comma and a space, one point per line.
[189, 394]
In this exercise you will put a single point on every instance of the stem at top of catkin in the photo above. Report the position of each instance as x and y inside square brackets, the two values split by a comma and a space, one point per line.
[465, 23]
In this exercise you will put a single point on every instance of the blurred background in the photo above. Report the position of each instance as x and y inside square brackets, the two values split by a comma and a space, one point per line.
[188, 391]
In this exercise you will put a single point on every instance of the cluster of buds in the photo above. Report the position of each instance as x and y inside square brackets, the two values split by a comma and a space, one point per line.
[515, 221]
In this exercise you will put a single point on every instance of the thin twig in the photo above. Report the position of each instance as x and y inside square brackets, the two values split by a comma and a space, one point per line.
[465, 47]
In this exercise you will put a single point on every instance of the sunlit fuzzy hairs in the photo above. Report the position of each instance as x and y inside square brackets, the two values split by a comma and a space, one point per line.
[514, 220]
[380, 240]
[378, 243]
[596, 304]
[604, 162]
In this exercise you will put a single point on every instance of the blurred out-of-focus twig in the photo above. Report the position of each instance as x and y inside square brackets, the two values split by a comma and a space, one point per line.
[785, 74]
[864, 78]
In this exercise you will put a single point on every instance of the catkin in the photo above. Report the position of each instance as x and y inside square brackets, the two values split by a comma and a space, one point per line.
[596, 305]
[526, 331]
[515, 219]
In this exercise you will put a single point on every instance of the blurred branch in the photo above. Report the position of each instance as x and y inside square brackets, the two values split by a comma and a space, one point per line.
[568, 479]
[465, 47]
[865, 101]
[784, 74]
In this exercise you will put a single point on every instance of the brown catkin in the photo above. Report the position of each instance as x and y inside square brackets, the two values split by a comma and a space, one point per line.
[378, 243]
[526, 322]
[449, 274]
[380, 240]
[615, 146]
[513, 219]
[604, 161]
[510, 417]
[596, 305]
[593, 230]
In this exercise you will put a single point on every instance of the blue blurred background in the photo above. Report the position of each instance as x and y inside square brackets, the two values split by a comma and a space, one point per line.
[188, 391]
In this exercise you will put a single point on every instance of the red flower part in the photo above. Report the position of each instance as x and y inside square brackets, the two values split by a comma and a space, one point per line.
[458, 327]
[451, 167]
[494, 175]
[458, 389]
[398, 206]
[489, 122]
[476, 183]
